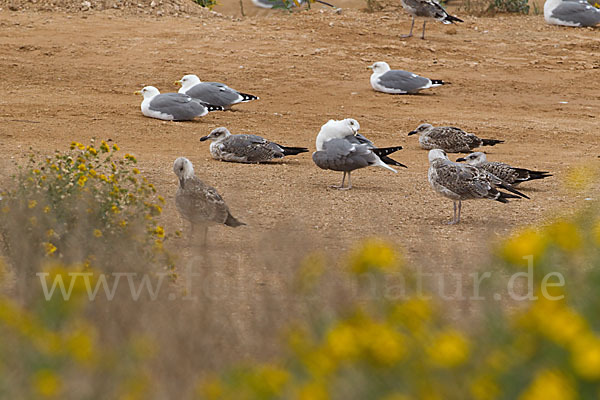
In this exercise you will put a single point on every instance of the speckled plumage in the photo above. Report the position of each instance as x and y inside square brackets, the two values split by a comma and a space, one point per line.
[505, 172]
[449, 139]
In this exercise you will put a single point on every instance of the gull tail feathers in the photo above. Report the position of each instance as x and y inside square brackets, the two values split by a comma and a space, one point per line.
[292, 151]
[232, 221]
[248, 97]
[491, 142]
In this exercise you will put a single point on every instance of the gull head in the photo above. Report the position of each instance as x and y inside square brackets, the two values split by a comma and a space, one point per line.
[474, 159]
[421, 129]
[380, 67]
[183, 168]
[437, 154]
[334, 129]
[148, 92]
[217, 134]
[188, 81]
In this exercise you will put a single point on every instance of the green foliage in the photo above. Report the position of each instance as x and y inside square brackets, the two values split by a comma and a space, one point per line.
[512, 6]
[206, 3]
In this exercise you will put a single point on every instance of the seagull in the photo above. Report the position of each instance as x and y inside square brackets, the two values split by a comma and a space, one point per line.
[246, 148]
[341, 148]
[172, 106]
[450, 139]
[215, 93]
[571, 13]
[426, 9]
[199, 203]
[464, 182]
[396, 81]
[508, 174]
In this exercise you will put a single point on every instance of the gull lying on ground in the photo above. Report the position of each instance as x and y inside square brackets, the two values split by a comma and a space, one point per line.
[246, 148]
[199, 203]
[172, 106]
[214, 93]
[460, 182]
[341, 148]
[503, 171]
[427, 9]
[396, 81]
[571, 13]
[449, 139]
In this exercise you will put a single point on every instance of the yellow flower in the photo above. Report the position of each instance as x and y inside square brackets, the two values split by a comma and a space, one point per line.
[104, 178]
[32, 204]
[130, 157]
[115, 209]
[136, 171]
[559, 323]
[92, 150]
[159, 231]
[549, 385]
[104, 147]
[414, 313]
[82, 180]
[484, 388]
[82, 167]
[80, 146]
[97, 233]
[585, 356]
[523, 244]
[342, 342]
[50, 232]
[93, 173]
[162, 200]
[270, 380]
[50, 248]
[115, 147]
[80, 344]
[374, 254]
[73, 145]
[384, 344]
[36, 171]
[449, 349]
[566, 235]
[46, 383]
[123, 223]
[313, 391]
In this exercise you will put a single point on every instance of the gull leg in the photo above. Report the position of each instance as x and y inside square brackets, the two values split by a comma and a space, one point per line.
[349, 183]
[423, 34]
[411, 28]
[454, 220]
[459, 207]
[341, 187]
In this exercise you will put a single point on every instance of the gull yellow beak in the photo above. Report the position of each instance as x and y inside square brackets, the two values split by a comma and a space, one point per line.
[177, 83]
[138, 92]
[370, 67]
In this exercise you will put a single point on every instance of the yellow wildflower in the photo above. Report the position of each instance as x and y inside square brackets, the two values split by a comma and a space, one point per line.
[93, 173]
[130, 157]
[104, 178]
[104, 147]
[549, 385]
[484, 388]
[313, 391]
[449, 349]
[374, 254]
[566, 235]
[97, 233]
[32, 204]
[47, 383]
[80, 344]
[50, 232]
[115, 209]
[82, 180]
[414, 313]
[123, 223]
[342, 341]
[115, 147]
[162, 200]
[92, 150]
[82, 167]
[524, 244]
[159, 231]
[585, 356]
[36, 171]
[80, 146]
[50, 248]
[136, 171]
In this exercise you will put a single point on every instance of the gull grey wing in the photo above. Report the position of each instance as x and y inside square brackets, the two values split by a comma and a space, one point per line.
[215, 94]
[249, 148]
[179, 105]
[426, 8]
[464, 180]
[359, 139]
[341, 155]
[200, 203]
[403, 80]
[583, 14]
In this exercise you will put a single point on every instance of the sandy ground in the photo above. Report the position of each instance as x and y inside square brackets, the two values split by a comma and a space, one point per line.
[71, 77]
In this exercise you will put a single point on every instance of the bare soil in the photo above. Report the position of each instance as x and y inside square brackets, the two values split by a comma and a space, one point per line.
[71, 76]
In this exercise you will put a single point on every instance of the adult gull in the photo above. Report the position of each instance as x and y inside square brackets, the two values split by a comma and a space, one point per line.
[246, 148]
[214, 93]
[508, 174]
[427, 9]
[341, 148]
[460, 182]
[396, 81]
[172, 106]
[199, 203]
[571, 13]
[450, 139]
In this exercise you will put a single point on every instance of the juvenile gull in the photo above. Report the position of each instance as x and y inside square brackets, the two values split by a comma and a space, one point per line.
[427, 9]
[571, 13]
[460, 182]
[508, 174]
[199, 203]
[214, 93]
[450, 139]
[172, 106]
[341, 148]
[246, 148]
[395, 81]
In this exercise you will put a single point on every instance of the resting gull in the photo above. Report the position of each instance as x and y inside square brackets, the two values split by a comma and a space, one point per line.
[246, 148]
[172, 106]
[199, 203]
[396, 81]
[214, 93]
[508, 174]
[427, 9]
[285, 4]
[460, 182]
[571, 13]
[450, 139]
[341, 148]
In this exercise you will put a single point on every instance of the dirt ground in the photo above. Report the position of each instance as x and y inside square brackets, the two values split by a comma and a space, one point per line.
[72, 76]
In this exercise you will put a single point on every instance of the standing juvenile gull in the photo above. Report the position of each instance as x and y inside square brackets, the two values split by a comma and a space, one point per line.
[571, 13]
[172, 106]
[396, 81]
[508, 174]
[450, 139]
[460, 182]
[427, 9]
[246, 148]
[199, 203]
[215, 93]
[341, 148]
